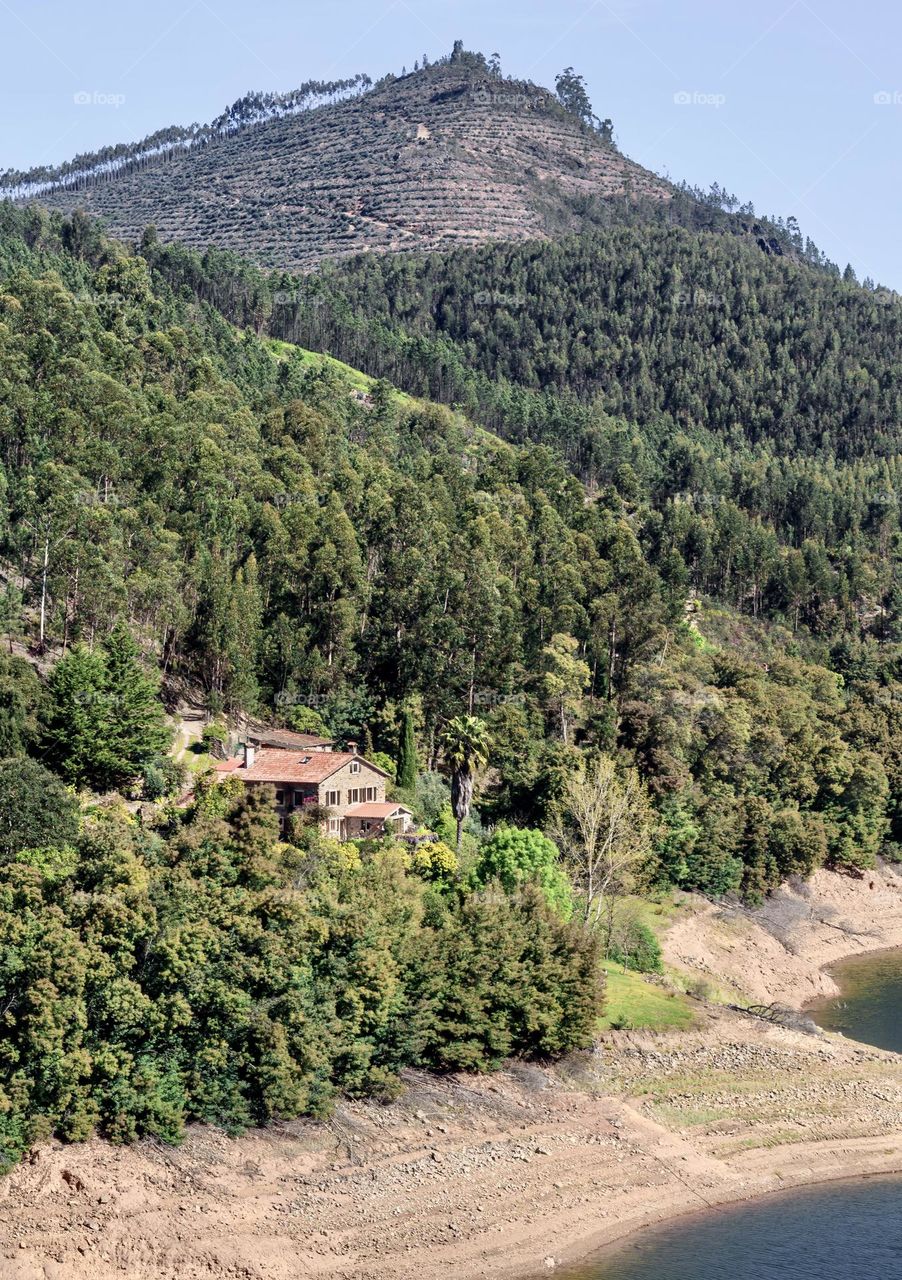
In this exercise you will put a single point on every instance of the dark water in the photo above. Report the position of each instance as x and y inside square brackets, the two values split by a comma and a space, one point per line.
[870, 1006]
[847, 1231]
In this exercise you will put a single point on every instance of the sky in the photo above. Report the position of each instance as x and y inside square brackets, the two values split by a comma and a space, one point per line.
[793, 104]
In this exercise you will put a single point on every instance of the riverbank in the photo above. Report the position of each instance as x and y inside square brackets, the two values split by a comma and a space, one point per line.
[503, 1176]
[781, 952]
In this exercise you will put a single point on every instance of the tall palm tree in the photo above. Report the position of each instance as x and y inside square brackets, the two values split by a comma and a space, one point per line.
[466, 746]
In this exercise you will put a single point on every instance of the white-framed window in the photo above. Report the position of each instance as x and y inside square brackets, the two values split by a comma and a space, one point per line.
[333, 799]
[371, 793]
[354, 795]
[334, 826]
[355, 766]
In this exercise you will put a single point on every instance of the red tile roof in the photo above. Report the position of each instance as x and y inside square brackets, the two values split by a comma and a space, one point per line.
[375, 810]
[272, 765]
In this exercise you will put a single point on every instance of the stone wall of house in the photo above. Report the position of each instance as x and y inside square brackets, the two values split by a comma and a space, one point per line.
[344, 780]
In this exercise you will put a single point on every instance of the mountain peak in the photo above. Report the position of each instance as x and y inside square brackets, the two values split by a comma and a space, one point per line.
[448, 155]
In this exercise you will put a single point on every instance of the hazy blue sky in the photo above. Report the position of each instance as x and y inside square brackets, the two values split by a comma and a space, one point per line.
[794, 104]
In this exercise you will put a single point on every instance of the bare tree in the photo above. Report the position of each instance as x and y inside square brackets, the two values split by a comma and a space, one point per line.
[604, 826]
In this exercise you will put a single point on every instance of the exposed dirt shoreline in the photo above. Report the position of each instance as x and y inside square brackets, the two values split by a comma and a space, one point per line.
[783, 951]
[513, 1175]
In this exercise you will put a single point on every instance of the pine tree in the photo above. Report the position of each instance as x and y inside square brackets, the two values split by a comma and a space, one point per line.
[77, 717]
[137, 728]
[105, 719]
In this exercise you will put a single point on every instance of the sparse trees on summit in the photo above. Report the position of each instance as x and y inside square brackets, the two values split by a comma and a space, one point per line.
[573, 95]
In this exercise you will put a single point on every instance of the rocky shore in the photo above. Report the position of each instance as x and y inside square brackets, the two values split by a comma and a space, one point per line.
[511, 1175]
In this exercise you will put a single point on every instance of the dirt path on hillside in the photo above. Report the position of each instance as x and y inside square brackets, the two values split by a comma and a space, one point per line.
[504, 1176]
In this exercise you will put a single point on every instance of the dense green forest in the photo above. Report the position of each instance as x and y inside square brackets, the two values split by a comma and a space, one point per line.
[280, 544]
[609, 615]
[680, 331]
[203, 970]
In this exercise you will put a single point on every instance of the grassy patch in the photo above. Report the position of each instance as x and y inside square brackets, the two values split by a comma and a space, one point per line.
[197, 762]
[684, 1117]
[658, 912]
[317, 360]
[632, 1001]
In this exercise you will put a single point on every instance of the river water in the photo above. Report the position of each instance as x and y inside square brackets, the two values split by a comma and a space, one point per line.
[869, 1007]
[842, 1231]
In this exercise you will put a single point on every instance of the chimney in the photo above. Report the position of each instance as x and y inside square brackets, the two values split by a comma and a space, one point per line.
[250, 755]
[352, 747]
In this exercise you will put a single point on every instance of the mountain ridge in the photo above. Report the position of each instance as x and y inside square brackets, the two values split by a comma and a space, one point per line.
[449, 155]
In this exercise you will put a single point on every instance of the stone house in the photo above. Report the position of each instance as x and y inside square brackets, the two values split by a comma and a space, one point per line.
[350, 788]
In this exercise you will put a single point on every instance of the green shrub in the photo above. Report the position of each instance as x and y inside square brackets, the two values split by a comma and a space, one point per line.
[634, 945]
[214, 736]
[515, 856]
[163, 777]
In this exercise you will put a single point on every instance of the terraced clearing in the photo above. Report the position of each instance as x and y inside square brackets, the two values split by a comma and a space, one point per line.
[441, 158]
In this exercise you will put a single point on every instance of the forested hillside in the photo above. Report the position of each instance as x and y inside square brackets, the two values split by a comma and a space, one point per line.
[677, 330]
[689, 638]
[281, 544]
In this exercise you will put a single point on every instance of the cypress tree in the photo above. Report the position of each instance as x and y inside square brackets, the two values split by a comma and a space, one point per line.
[105, 719]
[407, 753]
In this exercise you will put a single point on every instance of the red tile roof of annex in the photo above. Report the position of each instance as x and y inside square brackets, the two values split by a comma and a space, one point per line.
[375, 809]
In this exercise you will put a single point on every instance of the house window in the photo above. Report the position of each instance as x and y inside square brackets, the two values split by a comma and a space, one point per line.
[366, 825]
[280, 797]
[355, 766]
[333, 799]
[371, 793]
[299, 797]
[354, 795]
[334, 824]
